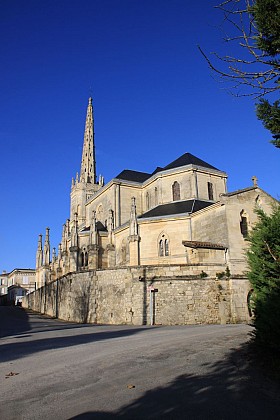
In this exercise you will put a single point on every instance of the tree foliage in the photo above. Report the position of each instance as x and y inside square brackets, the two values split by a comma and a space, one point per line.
[269, 114]
[266, 14]
[255, 70]
[264, 275]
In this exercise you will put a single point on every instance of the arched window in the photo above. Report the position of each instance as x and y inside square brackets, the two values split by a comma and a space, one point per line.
[258, 202]
[244, 224]
[176, 191]
[163, 246]
[83, 259]
[166, 247]
[210, 190]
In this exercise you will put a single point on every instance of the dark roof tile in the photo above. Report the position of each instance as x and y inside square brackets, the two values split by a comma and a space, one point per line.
[177, 207]
[188, 159]
[129, 175]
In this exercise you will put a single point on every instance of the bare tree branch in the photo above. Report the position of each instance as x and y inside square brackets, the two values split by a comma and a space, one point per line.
[240, 71]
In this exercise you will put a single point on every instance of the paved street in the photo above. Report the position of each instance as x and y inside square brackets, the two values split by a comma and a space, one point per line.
[56, 370]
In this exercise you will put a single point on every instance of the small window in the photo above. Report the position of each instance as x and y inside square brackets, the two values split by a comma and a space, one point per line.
[176, 191]
[25, 280]
[258, 202]
[166, 247]
[163, 247]
[244, 226]
[210, 191]
[83, 259]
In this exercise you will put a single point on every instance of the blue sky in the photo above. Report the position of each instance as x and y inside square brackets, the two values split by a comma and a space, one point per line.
[154, 99]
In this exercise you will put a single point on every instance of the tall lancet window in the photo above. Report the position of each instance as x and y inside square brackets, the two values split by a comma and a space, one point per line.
[163, 246]
[244, 224]
[83, 259]
[166, 247]
[210, 191]
[176, 191]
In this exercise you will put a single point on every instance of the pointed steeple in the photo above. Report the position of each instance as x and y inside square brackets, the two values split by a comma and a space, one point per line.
[88, 165]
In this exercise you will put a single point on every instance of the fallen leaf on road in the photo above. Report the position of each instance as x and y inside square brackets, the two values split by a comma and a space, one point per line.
[8, 375]
[130, 386]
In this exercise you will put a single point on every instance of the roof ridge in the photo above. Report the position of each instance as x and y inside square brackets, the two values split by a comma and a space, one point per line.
[188, 159]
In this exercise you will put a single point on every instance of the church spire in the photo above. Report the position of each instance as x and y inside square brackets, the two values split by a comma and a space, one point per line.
[88, 165]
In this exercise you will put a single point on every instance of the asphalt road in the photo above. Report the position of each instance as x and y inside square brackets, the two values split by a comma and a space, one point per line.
[56, 370]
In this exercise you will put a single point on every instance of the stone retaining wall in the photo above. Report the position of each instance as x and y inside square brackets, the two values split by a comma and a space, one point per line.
[166, 295]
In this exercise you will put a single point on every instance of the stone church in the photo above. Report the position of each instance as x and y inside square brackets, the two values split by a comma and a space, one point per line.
[179, 217]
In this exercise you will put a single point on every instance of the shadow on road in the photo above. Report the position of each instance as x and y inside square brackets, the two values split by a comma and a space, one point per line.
[233, 389]
[12, 351]
[17, 322]
[14, 321]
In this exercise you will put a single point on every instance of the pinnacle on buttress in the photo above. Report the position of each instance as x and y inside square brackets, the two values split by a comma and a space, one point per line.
[88, 164]
[46, 256]
[39, 254]
[133, 229]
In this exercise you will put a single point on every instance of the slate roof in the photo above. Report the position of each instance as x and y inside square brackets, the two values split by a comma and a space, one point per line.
[185, 159]
[177, 207]
[240, 191]
[188, 159]
[129, 175]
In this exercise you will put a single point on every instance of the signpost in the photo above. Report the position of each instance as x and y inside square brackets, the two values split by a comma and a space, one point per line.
[152, 290]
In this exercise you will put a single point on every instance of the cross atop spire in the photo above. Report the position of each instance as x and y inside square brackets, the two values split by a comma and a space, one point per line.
[255, 181]
[88, 165]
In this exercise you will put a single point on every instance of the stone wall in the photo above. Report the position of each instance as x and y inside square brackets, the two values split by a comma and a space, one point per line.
[166, 295]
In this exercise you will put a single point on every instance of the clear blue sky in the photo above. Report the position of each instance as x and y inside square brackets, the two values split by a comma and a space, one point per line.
[153, 94]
